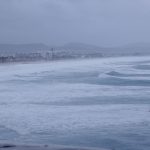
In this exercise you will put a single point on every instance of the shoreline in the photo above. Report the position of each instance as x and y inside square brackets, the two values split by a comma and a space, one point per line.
[68, 59]
[45, 147]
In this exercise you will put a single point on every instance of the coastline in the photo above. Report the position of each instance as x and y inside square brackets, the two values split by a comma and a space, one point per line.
[44, 147]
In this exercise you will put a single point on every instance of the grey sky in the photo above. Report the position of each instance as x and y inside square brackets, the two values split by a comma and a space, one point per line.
[56, 22]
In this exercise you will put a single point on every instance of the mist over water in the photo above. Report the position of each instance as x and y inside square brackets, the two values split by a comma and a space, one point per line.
[92, 103]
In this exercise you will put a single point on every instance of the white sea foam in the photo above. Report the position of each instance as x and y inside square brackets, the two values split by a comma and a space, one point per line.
[72, 97]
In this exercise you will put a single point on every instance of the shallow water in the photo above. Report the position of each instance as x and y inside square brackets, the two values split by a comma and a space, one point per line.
[92, 103]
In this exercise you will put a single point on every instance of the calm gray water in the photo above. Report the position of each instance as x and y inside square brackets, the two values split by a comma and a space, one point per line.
[92, 103]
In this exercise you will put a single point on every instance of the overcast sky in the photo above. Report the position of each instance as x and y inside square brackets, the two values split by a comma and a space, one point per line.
[56, 22]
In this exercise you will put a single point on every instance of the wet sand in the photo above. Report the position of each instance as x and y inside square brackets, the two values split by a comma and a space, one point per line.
[44, 147]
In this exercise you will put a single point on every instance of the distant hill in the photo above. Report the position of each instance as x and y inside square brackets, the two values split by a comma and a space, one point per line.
[135, 48]
[73, 50]
[22, 48]
[130, 49]
[138, 45]
[80, 49]
[81, 46]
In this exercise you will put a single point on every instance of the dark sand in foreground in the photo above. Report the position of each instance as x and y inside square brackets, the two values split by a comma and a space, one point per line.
[45, 147]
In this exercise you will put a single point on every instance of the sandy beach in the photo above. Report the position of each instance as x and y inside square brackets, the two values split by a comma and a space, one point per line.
[43, 147]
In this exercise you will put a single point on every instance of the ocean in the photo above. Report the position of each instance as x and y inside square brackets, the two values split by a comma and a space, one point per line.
[89, 103]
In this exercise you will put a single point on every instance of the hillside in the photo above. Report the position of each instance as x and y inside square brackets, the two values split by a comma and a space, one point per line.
[41, 51]
[22, 48]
